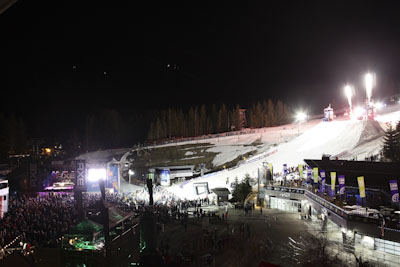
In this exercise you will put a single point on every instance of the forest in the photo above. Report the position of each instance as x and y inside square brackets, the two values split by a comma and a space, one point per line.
[176, 123]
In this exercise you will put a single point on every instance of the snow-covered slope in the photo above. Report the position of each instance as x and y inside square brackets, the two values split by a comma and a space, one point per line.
[342, 138]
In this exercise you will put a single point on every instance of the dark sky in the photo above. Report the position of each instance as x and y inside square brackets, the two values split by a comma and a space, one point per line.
[60, 60]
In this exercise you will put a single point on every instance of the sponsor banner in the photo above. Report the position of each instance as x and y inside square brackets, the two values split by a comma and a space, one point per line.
[395, 190]
[271, 170]
[323, 181]
[333, 180]
[80, 170]
[342, 186]
[361, 186]
[284, 169]
[315, 172]
[112, 177]
[165, 177]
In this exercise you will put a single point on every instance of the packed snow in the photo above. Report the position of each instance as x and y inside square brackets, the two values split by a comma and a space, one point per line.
[341, 138]
[228, 153]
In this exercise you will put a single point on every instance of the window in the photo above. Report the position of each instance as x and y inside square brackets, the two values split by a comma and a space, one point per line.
[387, 246]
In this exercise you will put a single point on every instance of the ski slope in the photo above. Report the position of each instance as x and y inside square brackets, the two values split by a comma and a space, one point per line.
[341, 138]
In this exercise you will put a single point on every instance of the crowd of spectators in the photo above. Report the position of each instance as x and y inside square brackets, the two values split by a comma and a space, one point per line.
[40, 219]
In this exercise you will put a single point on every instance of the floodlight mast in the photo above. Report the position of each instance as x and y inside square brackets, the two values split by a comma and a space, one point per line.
[348, 90]
[369, 83]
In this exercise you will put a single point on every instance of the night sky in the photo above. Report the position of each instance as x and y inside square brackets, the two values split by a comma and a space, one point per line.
[61, 60]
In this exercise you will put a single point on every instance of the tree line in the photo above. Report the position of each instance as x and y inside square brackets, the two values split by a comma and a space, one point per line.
[13, 135]
[106, 128]
[196, 121]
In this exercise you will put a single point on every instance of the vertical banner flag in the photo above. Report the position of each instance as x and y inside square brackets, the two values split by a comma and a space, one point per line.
[112, 177]
[333, 180]
[308, 172]
[342, 187]
[361, 186]
[315, 170]
[284, 169]
[301, 171]
[395, 190]
[323, 181]
[270, 168]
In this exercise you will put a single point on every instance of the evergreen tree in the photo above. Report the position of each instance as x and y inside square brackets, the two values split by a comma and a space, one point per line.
[181, 123]
[223, 121]
[191, 122]
[236, 117]
[170, 123]
[286, 114]
[214, 119]
[158, 132]
[280, 114]
[203, 120]
[252, 118]
[163, 120]
[209, 126]
[391, 144]
[196, 121]
[150, 134]
[242, 190]
[259, 115]
[271, 113]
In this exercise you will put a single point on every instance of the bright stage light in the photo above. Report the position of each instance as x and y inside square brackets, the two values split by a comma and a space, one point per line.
[301, 116]
[379, 105]
[130, 172]
[96, 174]
[358, 111]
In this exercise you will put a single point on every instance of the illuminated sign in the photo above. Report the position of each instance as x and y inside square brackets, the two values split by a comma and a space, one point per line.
[80, 175]
[165, 177]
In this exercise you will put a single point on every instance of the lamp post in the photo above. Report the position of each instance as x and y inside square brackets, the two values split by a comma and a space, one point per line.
[369, 83]
[348, 90]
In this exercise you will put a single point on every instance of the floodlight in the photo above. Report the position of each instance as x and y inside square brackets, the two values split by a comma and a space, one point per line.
[358, 111]
[301, 116]
[96, 174]
[379, 105]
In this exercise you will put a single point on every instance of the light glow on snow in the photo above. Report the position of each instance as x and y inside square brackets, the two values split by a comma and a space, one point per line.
[359, 111]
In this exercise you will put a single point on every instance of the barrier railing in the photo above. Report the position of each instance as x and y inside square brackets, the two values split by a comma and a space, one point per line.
[329, 205]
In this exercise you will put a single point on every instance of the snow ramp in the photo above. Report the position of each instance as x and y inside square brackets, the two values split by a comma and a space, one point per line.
[336, 138]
